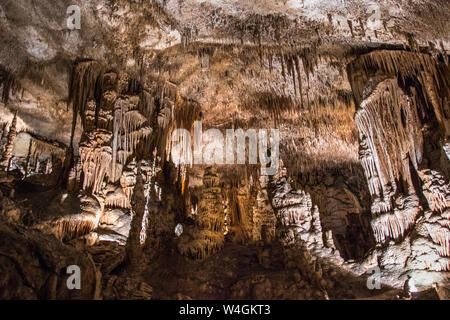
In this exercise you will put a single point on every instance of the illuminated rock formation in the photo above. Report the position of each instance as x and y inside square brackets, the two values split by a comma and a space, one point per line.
[358, 91]
[263, 218]
[207, 237]
[402, 158]
[7, 153]
[133, 256]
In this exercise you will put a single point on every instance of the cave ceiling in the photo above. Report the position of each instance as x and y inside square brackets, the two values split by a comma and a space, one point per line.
[37, 47]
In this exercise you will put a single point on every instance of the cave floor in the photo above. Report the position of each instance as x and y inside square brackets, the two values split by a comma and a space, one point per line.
[239, 272]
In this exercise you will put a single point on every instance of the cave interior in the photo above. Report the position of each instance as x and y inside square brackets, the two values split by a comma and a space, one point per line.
[353, 97]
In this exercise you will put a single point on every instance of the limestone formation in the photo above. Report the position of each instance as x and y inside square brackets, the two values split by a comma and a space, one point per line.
[208, 236]
[397, 155]
[92, 121]
[7, 153]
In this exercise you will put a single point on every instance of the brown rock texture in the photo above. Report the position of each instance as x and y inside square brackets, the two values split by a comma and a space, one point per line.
[357, 91]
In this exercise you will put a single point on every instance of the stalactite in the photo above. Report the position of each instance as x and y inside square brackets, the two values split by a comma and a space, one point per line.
[394, 226]
[39, 148]
[300, 87]
[399, 64]
[350, 25]
[291, 71]
[146, 104]
[84, 85]
[283, 72]
[9, 83]
[72, 226]
[116, 198]
[95, 160]
[442, 237]
[48, 166]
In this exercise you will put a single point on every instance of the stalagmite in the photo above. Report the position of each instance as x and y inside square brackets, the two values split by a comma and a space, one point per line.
[301, 230]
[133, 247]
[208, 236]
[263, 219]
[7, 154]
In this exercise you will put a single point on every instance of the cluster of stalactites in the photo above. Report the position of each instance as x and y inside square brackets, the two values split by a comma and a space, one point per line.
[85, 85]
[95, 163]
[401, 64]
[85, 94]
[425, 77]
[391, 147]
[442, 237]
[130, 127]
[295, 66]
[116, 122]
[391, 118]
[183, 113]
[390, 139]
[394, 225]
[71, 225]
[37, 149]
[116, 198]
